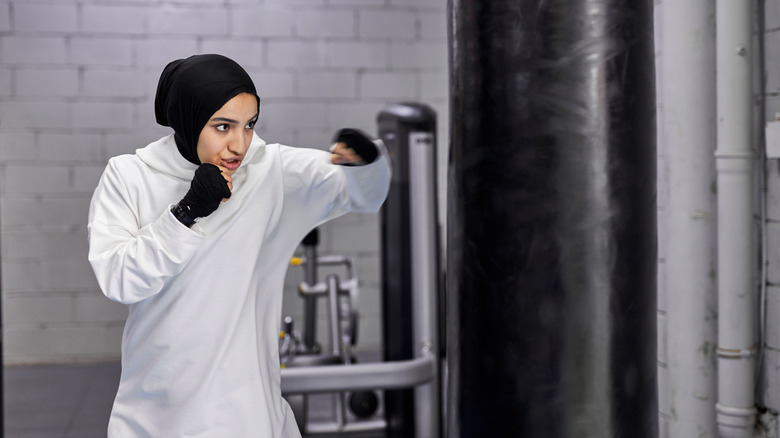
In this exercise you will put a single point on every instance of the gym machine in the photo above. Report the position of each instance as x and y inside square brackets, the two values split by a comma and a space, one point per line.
[409, 373]
[304, 351]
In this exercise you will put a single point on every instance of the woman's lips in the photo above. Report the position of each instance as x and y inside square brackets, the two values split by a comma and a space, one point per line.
[231, 164]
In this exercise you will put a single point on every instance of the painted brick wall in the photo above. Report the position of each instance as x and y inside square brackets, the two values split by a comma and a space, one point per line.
[77, 82]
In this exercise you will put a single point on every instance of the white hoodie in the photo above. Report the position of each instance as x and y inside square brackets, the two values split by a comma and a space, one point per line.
[200, 346]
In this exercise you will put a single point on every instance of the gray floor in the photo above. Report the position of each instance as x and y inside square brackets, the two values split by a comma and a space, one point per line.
[56, 401]
[74, 401]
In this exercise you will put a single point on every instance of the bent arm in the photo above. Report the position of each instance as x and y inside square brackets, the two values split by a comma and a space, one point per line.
[132, 262]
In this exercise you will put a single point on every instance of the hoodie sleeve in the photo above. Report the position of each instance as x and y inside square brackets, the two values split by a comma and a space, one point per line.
[316, 190]
[133, 262]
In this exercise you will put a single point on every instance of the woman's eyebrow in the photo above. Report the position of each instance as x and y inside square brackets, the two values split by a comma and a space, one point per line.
[227, 120]
[224, 119]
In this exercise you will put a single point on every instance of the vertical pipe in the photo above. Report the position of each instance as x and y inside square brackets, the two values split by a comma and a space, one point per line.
[736, 256]
[688, 96]
[425, 273]
[551, 219]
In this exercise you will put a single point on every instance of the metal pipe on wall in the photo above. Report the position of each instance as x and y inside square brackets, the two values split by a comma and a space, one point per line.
[688, 96]
[551, 219]
[736, 256]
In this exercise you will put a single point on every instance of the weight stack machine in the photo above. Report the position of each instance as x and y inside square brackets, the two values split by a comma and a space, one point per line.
[410, 264]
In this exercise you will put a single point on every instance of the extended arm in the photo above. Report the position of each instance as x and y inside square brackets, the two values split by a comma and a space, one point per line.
[317, 190]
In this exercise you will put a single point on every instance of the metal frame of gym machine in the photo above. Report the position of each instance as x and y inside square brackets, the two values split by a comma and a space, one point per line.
[408, 131]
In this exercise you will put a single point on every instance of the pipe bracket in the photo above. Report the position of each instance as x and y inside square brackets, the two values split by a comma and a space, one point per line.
[739, 154]
[735, 422]
[733, 353]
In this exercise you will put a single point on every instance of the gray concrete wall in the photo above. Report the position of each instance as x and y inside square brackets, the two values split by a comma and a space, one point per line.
[77, 82]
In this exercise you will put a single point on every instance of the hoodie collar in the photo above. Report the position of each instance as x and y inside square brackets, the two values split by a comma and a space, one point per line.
[164, 157]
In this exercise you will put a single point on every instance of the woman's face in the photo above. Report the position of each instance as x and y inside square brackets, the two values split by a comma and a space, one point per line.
[227, 135]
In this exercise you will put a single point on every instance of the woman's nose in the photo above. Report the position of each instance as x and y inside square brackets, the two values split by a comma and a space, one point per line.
[239, 141]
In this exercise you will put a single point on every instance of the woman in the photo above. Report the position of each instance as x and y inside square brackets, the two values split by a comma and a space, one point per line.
[194, 233]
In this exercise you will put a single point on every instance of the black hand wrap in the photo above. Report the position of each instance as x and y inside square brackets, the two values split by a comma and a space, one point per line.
[207, 190]
[358, 142]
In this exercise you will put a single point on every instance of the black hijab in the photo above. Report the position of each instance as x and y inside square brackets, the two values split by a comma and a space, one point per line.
[191, 90]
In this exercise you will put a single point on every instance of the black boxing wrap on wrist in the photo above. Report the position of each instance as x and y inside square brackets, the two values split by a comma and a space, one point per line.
[182, 216]
[358, 142]
[207, 190]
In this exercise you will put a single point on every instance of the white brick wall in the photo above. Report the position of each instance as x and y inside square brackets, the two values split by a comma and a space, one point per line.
[384, 23]
[6, 86]
[110, 19]
[356, 54]
[5, 17]
[316, 23]
[33, 50]
[45, 18]
[293, 54]
[43, 82]
[77, 83]
[153, 52]
[416, 55]
[328, 85]
[103, 83]
[262, 21]
[175, 20]
[109, 51]
[385, 85]
[31, 114]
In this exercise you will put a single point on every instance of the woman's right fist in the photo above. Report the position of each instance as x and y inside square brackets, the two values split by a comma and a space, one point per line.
[210, 186]
[229, 180]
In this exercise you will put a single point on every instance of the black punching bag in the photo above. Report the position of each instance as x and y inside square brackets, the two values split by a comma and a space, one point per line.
[551, 272]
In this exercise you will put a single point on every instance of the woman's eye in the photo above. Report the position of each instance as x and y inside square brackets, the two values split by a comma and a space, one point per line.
[222, 128]
[251, 125]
